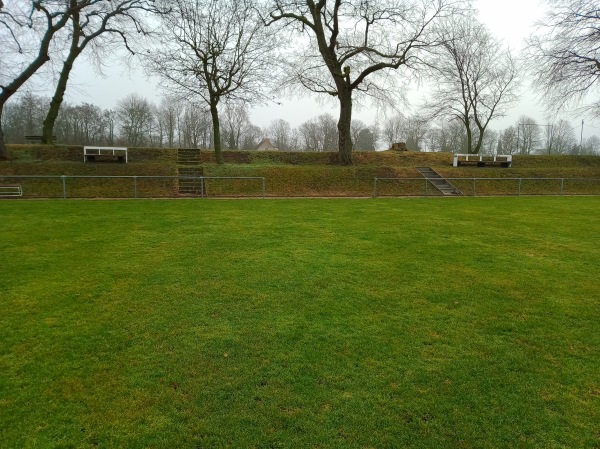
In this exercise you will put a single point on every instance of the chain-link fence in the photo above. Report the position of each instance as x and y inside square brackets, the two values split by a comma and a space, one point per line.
[486, 186]
[72, 186]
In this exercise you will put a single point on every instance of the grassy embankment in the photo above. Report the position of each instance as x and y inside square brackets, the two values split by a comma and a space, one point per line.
[300, 323]
[290, 174]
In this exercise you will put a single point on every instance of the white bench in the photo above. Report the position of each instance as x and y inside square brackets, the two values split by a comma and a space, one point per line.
[7, 190]
[90, 153]
[481, 160]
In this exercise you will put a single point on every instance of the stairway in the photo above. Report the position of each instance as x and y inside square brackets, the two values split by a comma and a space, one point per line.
[188, 156]
[188, 161]
[438, 182]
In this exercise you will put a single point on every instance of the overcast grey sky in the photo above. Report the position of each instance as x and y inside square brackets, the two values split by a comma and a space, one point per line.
[510, 20]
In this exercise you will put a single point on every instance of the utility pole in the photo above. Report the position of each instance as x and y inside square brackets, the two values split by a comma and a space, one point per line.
[581, 139]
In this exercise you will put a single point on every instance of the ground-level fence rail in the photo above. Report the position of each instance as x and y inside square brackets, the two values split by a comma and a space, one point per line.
[488, 186]
[79, 186]
[76, 186]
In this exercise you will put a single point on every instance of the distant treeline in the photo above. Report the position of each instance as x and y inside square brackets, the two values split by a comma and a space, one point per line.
[137, 122]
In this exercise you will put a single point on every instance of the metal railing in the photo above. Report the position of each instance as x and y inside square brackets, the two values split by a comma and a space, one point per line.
[488, 186]
[80, 186]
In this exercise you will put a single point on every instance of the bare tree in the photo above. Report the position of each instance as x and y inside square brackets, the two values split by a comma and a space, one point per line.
[475, 78]
[236, 122]
[528, 135]
[364, 138]
[22, 116]
[85, 124]
[281, 134]
[564, 54]
[415, 128]
[591, 145]
[215, 49]
[560, 138]
[411, 130]
[356, 128]
[251, 137]
[319, 133]
[490, 141]
[392, 129]
[447, 136]
[26, 32]
[195, 126]
[351, 42]
[507, 144]
[136, 118]
[95, 23]
[168, 114]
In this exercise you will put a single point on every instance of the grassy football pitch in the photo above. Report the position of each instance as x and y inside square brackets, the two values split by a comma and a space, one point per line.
[418, 323]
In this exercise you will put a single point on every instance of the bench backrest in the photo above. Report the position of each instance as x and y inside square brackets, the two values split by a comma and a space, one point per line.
[11, 190]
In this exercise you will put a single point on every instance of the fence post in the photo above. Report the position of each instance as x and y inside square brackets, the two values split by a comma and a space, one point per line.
[201, 186]
[64, 183]
[264, 187]
[520, 186]
[474, 186]
[562, 186]
[135, 187]
[375, 187]
[426, 187]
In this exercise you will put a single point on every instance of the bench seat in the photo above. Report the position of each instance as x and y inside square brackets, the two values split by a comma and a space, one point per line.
[481, 160]
[10, 190]
[90, 153]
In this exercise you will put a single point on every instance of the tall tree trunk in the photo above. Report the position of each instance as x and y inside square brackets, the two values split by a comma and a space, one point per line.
[3, 155]
[479, 143]
[57, 99]
[41, 58]
[469, 138]
[216, 132]
[61, 87]
[344, 127]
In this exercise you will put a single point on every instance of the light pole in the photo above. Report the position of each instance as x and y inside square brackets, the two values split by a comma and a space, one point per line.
[581, 139]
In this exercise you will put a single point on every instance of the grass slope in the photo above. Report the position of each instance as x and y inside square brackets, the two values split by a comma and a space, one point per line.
[300, 324]
[287, 174]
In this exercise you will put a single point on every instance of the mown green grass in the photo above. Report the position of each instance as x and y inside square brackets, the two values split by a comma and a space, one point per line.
[421, 323]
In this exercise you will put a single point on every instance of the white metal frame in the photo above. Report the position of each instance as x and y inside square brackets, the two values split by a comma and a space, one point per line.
[11, 190]
[482, 158]
[104, 151]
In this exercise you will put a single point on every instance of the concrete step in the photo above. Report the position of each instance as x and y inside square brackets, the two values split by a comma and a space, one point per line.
[436, 180]
[188, 156]
[188, 161]
[190, 171]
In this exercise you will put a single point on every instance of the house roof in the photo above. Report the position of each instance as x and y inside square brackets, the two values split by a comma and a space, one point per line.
[266, 145]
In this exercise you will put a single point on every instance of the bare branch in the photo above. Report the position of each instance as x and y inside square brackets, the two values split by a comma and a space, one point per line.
[564, 55]
[475, 78]
[359, 44]
[215, 49]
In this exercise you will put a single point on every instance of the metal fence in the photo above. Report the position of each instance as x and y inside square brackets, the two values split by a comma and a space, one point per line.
[76, 186]
[488, 186]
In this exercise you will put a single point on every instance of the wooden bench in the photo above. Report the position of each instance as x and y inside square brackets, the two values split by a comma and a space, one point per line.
[10, 190]
[37, 139]
[481, 160]
[90, 153]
